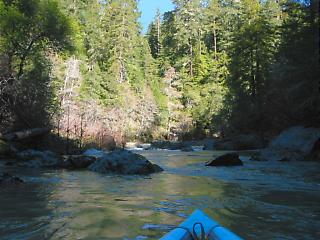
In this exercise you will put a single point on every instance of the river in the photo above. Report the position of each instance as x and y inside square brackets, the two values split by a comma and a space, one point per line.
[260, 200]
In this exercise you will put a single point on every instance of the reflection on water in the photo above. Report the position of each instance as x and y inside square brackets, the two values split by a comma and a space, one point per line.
[258, 201]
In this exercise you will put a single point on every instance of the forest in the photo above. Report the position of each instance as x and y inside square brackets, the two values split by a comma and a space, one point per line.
[204, 124]
[86, 70]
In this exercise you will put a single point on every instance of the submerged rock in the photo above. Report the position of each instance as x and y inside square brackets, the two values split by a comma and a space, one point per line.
[7, 179]
[124, 162]
[229, 159]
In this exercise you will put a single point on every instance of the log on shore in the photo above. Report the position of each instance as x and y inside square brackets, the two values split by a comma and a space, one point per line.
[26, 134]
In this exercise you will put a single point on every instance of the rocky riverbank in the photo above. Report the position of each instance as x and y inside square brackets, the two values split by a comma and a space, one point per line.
[296, 143]
[117, 162]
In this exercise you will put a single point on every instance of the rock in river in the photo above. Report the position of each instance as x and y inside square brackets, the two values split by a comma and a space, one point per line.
[124, 162]
[229, 159]
[77, 161]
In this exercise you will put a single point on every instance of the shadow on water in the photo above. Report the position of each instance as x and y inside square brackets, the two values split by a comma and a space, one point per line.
[25, 210]
[256, 201]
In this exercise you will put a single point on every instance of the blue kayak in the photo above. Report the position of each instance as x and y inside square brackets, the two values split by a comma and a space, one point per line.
[200, 226]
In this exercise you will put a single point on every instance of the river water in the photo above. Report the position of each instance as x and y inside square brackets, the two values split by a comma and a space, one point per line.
[260, 200]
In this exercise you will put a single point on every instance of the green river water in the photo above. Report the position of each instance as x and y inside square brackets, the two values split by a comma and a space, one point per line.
[260, 200]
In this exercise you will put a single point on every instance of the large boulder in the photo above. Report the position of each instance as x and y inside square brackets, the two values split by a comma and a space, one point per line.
[239, 142]
[229, 159]
[7, 179]
[296, 138]
[38, 159]
[294, 143]
[124, 162]
[77, 161]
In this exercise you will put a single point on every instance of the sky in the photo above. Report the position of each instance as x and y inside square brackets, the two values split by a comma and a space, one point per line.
[149, 8]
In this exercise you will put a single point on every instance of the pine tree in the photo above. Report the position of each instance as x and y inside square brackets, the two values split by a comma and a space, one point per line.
[121, 38]
[154, 36]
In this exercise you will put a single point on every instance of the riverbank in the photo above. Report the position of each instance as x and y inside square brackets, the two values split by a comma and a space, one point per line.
[296, 143]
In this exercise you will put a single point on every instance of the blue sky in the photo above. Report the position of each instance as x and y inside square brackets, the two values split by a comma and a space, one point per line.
[149, 8]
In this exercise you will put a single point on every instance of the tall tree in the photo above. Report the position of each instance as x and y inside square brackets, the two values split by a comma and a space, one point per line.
[188, 22]
[252, 56]
[121, 36]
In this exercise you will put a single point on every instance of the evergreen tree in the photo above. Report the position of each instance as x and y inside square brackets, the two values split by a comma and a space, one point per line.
[154, 36]
[294, 94]
[252, 56]
[121, 40]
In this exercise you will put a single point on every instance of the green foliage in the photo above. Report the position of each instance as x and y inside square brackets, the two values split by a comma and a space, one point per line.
[153, 39]
[252, 55]
[96, 86]
[208, 65]
[28, 25]
[30, 31]
[34, 95]
[296, 73]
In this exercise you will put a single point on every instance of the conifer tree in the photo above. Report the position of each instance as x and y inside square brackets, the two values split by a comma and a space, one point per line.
[121, 39]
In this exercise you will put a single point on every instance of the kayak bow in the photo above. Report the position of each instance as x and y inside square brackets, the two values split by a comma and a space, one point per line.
[198, 224]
